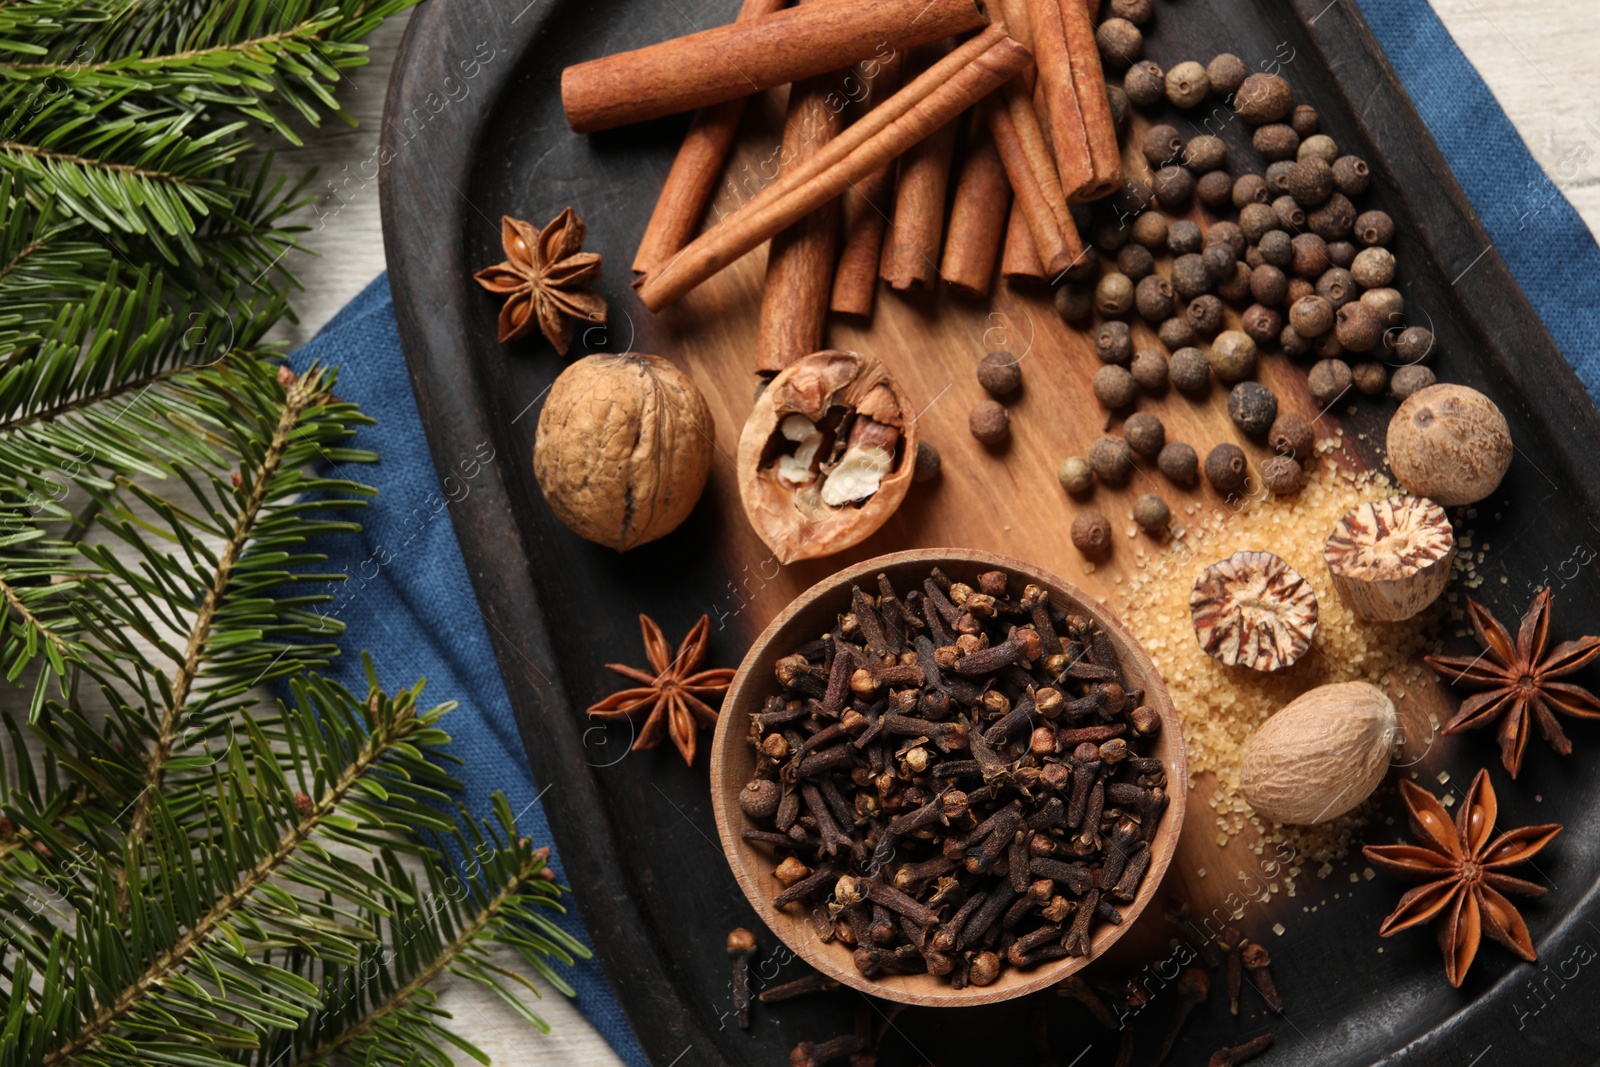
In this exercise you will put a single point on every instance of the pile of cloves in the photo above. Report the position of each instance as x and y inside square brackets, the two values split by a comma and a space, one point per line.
[956, 780]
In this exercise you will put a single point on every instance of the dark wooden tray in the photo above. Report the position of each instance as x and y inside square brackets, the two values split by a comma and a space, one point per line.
[473, 130]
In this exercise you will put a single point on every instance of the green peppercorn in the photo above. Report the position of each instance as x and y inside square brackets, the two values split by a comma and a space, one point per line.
[1276, 141]
[1110, 460]
[1304, 120]
[1183, 237]
[1350, 175]
[1091, 535]
[1414, 345]
[1310, 256]
[1268, 286]
[1226, 468]
[1145, 83]
[1374, 228]
[1410, 379]
[1178, 462]
[1264, 98]
[1262, 324]
[1277, 248]
[1144, 433]
[1373, 267]
[1075, 475]
[1189, 370]
[1152, 299]
[1250, 189]
[1333, 221]
[1189, 276]
[1277, 177]
[989, 422]
[1120, 43]
[1370, 376]
[1341, 253]
[1337, 287]
[1282, 476]
[1149, 369]
[1114, 387]
[1149, 229]
[1074, 303]
[1292, 435]
[1151, 514]
[1291, 216]
[1388, 303]
[1329, 378]
[1360, 329]
[1135, 196]
[1235, 288]
[1310, 181]
[1113, 342]
[1113, 295]
[1214, 190]
[1227, 233]
[1176, 333]
[1319, 146]
[1293, 344]
[1205, 313]
[1135, 262]
[1252, 407]
[1205, 153]
[1000, 373]
[1233, 356]
[927, 464]
[1187, 84]
[1227, 72]
[1311, 316]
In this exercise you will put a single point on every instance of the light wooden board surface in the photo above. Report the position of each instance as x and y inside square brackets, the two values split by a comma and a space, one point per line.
[1538, 68]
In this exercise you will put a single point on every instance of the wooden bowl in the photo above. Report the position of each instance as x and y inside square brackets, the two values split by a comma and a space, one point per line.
[733, 763]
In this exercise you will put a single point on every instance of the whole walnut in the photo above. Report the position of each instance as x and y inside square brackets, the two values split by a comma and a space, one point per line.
[623, 449]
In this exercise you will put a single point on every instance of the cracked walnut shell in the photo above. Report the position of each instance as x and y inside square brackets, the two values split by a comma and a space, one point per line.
[1253, 610]
[623, 448]
[1391, 558]
[826, 455]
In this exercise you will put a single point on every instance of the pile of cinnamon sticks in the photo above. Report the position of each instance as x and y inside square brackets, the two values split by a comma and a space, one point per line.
[881, 97]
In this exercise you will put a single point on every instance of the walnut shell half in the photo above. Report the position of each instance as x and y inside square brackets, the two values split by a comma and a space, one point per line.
[826, 455]
[623, 448]
[1253, 610]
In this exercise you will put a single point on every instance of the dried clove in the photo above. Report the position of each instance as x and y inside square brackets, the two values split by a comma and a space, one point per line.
[1257, 962]
[741, 945]
[1193, 988]
[1234, 1055]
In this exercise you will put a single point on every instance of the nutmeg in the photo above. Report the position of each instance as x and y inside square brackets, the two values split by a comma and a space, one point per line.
[623, 448]
[1320, 755]
[1449, 443]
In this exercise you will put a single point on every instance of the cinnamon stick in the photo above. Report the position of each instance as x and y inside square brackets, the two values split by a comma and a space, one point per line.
[1019, 259]
[965, 76]
[1056, 97]
[745, 57]
[978, 216]
[1031, 171]
[911, 247]
[1094, 108]
[695, 170]
[866, 208]
[794, 300]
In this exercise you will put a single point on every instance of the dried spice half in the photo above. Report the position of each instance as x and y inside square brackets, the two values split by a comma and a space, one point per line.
[543, 279]
[1253, 610]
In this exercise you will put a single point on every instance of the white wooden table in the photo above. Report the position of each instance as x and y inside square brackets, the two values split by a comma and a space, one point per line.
[1536, 60]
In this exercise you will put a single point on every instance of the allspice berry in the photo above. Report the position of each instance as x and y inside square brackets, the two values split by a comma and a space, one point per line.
[1205, 313]
[1374, 228]
[1000, 373]
[1227, 233]
[1091, 534]
[1350, 175]
[1337, 287]
[1151, 514]
[1145, 83]
[1114, 387]
[1162, 145]
[1218, 260]
[1178, 462]
[1113, 342]
[1276, 141]
[1226, 468]
[1388, 303]
[1268, 285]
[1282, 475]
[1205, 153]
[1292, 435]
[1118, 101]
[1304, 119]
[1075, 475]
[1135, 262]
[1214, 190]
[1144, 433]
[1110, 460]
[1291, 216]
[1258, 220]
[1310, 182]
[1329, 378]
[1410, 379]
[1189, 370]
[1235, 288]
[1373, 268]
[1233, 356]
[1335, 220]
[1311, 316]
[1414, 345]
[1074, 303]
[1113, 295]
[1278, 176]
[1449, 443]
[1183, 237]
[1250, 189]
[1277, 249]
[989, 422]
[1319, 146]
[1120, 43]
[1137, 12]
[1310, 255]
[1150, 230]
[1152, 299]
[1252, 407]
[1263, 98]
[1174, 187]
[1149, 369]
[1227, 72]
[1261, 324]
[1360, 329]
[1341, 253]
[1293, 344]
[1370, 376]
[928, 463]
[1176, 333]
[1189, 276]
[1187, 84]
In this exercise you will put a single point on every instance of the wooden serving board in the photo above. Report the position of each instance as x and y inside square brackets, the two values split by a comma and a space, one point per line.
[474, 130]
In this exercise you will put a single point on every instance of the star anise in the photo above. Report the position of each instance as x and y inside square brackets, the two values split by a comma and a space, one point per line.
[542, 279]
[1518, 680]
[669, 700]
[1463, 871]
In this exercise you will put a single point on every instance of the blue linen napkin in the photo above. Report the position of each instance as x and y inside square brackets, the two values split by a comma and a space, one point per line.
[408, 599]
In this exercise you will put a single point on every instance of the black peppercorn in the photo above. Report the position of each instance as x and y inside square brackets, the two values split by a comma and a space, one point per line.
[1334, 220]
[1350, 175]
[1329, 378]
[1161, 145]
[1000, 373]
[1235, 288]
[1277, 248]
[1187, 84]
[1278, 177]
[1135, 195]
[1252, 407]
[1304, 120]
[1205, 314]
[1292, 435]
[1114, 387]
[1310, 182]
[988, 422]
[1176, 333]
[1205, 153]
[1214, 190]
[1337, 287]
[927, 463]
[1178, 462]
[1189, 371]
[1218, 261]
[1110, 460]
[1174, 187]
[1258, 220]
[1226, 468]
[1374, 228]
[1276, 141]
[1091, 535]
[1152, 299]
[1291, 216]
[1074, 303]
[1319, 146]
[1232, 356]
[1227, 233]
[1370, 376]
[1113, 295]
[1250, 189]
[1120, 43]
[1410, 379]
[1227, 72]
[1144, 433]
[1149, 369]
[1150, 230]
[1151, 514]
[1262, 324]
[1183, 237]
[1135, 262]
[1263, 98]
[1268, 285]
[1359, 329]
[1414, 345]
[1282, 476]
[1341, 253]
[1373, 268]
[1293, 344]
[1189, 276]
[1145, 83]
[1310, 256]
[1113, 342]
[1311, 316]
